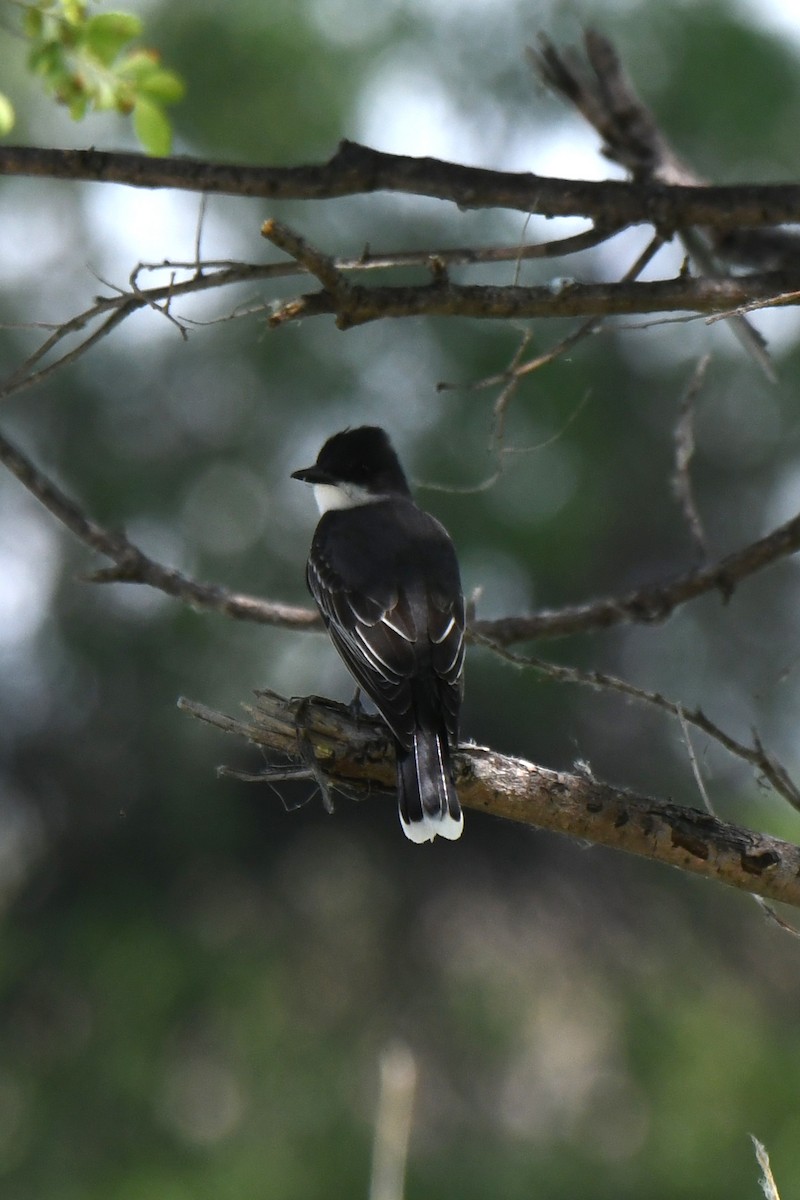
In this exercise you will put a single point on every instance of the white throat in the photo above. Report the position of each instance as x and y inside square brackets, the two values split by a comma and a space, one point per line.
[342, 495]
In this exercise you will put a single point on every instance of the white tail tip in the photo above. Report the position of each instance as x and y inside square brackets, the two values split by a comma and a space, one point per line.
[430, 828]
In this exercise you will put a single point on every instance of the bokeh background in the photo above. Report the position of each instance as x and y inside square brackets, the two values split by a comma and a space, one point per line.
[197, 982]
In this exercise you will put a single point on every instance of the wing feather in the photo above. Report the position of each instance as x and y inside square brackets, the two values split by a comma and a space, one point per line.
[398, 643]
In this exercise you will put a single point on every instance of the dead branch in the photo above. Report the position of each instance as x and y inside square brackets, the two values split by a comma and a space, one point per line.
[358, 755]
[519, 367]
[598, 86]
[713, 222]
[357, 305]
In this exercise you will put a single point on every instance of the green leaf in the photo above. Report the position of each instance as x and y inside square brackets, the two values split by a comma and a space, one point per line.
[47, 60]
[152, 127]
[33, 23]
[7, 116]
[78, 105]
[107, 33]
[105, 97]
[138, 64]
[74, 11]
[165, 87]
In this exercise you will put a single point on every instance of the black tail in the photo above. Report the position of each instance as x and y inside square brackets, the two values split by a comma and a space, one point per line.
[426, 794]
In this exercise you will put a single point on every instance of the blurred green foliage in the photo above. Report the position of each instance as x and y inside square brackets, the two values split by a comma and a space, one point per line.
[196, 982]
[86, 62]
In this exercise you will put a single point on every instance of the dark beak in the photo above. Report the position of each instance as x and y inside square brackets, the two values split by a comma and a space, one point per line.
[313, 474]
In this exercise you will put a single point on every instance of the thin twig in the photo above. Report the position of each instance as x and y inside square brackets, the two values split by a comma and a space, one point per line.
[755, 755]
[220, 273]
[590, 327]
[198, 233]
[775, 918]
[684, 452]
[115, 309]
[518, 369]
[785, 300]
[698, 778]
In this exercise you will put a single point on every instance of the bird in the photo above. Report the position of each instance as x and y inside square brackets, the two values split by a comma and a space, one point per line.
[385, 578]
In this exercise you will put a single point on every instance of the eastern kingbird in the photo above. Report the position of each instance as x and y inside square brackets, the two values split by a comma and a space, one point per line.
[385, 578]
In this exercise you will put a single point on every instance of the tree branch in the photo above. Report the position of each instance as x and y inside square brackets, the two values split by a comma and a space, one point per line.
[356, 170]
[768, 767]
[206, 276]
[131, 565]
[358, 755]
[649, 604]
[652, 603]
[601, 90]
[356, 305]
[598, 86]
[443, 298]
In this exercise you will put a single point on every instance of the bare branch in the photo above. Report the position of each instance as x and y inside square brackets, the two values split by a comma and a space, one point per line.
[116, 308]
[356, 170]
[519, 368]
[444, 298]
[598, 86]
[131, 565]
[755, 756]
[441, 296]
[206, 276]
[359, 755]
[601, 90]
[698, 776]
[652, 603]
[649, 604]
[775, 918]
[307, 255]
